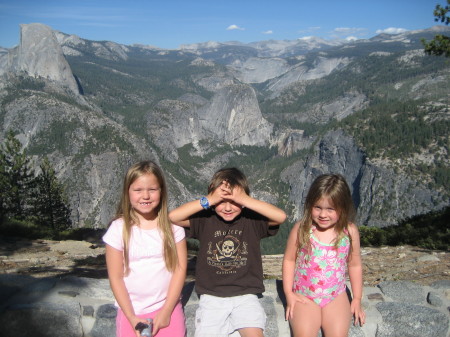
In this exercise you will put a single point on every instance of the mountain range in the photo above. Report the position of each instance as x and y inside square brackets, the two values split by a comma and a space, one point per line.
[376, 111]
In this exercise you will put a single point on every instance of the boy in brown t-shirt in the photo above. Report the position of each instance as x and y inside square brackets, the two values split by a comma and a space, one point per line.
[229, 224]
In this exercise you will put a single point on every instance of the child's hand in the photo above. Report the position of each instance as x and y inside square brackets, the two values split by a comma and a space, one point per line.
[161, 320]
[292, 300]
[235, 194]
[134, 321]
[358, 313]
[219, 194]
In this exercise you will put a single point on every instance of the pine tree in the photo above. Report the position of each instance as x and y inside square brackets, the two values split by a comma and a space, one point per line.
[3, 186]
[16, 179]
[440, 45]
[50, 201]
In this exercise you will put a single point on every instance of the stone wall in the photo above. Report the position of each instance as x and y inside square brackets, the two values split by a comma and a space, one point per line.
[74, 306]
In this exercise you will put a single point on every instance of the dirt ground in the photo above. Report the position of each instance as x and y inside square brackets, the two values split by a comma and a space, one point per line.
[45, 258]
[380, 264]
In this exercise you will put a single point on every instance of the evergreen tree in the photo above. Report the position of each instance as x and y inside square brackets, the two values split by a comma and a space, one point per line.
[3, 186]
[440, 45]
[16, 179]
[50, 201]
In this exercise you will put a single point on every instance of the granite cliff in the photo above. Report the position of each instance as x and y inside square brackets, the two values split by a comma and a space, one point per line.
[380, 194]
[39, 54]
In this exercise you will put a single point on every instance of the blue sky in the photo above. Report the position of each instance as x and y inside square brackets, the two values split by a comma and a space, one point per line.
[171, 23]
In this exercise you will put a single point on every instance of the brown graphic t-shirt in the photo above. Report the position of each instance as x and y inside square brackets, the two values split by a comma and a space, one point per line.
[229, 258]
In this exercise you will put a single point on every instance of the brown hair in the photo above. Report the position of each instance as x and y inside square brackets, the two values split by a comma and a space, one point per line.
[334, 187]
[231, 175]
[127, 213]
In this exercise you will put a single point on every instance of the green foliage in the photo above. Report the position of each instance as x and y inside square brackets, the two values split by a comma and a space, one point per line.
[31, 230]
[50, 204]
[430, 231]
[372, 236]
[440, 45]
[28, 83]
[399, 129]
[395, 128]
[25, 229]
[440, 13]
[27, 199]
[16, 179]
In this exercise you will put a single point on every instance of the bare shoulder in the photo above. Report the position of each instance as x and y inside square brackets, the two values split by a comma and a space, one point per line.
[353, 229]
[294, 231]
[295, 227]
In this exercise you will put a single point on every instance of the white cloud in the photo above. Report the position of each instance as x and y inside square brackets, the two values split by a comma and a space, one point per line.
[391, 30]
[268, 32]
[351, 38]
[234, 27]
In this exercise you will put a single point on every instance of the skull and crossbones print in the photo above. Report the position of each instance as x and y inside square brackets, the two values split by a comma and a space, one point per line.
[227, 250]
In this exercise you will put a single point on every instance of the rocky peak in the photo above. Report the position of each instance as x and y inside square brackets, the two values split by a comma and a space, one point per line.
[235, 118]
[232, 116]
[39, 55]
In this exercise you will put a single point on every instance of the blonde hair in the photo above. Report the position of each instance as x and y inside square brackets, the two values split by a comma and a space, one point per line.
[335, 188]
[128, 214]
[231, 175]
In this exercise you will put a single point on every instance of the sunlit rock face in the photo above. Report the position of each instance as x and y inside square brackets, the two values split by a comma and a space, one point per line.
[40, 55]
[235, 118]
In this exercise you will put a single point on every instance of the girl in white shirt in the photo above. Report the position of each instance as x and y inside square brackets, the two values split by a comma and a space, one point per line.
[146, 256]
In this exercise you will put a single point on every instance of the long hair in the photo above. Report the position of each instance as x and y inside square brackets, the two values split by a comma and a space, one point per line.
[231, 175]
[128, 214]
[334, 187]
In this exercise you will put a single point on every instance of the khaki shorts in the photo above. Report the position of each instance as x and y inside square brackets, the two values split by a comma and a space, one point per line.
[221, 316]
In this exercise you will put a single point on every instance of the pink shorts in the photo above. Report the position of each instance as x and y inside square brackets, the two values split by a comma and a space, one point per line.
[177, 327]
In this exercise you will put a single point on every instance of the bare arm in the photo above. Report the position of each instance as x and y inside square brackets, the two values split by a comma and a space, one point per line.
[180, 215]
[355, 274]
[289, 260]
[115, 266]
[162, 319]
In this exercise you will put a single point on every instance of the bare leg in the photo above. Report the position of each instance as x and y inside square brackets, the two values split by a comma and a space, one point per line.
[307, 319]
[251, 332]
[336, 317]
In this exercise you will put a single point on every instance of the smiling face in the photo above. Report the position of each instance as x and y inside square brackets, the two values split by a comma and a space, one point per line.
[228, 210]
[145, 194]
[323, 214]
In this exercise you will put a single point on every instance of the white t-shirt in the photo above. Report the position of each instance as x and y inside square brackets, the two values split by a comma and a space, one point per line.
[148, 280]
